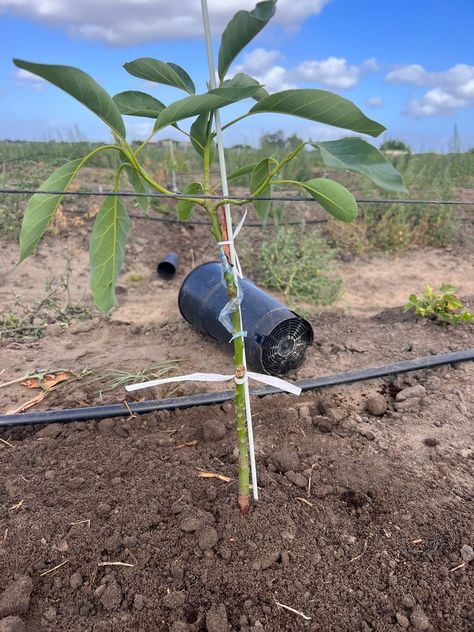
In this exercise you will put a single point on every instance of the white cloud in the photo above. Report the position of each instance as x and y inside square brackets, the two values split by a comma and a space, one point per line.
[435, 102]
[29, 80]
[334, 72]
[123, 22]
[413, 74]
[374, 102]
[451, 89]
[259, 64]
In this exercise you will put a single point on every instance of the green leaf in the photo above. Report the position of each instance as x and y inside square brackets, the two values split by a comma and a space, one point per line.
[242, 28]
[242, 171]
[82, 87]
[139, 186]
[320, 106]
[242, 80]
[107, 251]
[259, 174]
[202, 104]
[199, 136]
[161, 72]
[135, 103]
[41, 207]
[185, 208]
[333, 197]
[355, 154]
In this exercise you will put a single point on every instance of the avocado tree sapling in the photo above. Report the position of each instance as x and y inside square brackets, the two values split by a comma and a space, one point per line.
[111, 225]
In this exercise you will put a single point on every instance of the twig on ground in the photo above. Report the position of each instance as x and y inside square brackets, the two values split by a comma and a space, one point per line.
[18, 505]
[88, 522]
[303, 500]
[456, 568]
[187, 444]
[51, 570]
[115, 564]
[10, 445]
[132, 415]
[300, 614]
[353, 559]
[220, 477]
[310, 480]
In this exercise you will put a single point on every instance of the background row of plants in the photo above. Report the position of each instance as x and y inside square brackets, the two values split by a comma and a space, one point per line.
[380, 227]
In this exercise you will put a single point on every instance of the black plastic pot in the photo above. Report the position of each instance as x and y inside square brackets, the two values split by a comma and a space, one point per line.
[277, 338]
[167, 268]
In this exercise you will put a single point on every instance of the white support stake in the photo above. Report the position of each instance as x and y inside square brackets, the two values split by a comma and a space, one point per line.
[230, 232]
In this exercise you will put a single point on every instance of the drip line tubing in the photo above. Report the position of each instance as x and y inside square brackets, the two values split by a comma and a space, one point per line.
[207, 399]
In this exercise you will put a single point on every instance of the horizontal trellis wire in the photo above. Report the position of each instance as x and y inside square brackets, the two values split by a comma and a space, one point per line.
[237, 198]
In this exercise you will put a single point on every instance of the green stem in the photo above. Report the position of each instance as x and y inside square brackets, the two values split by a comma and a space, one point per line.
[278, 168]
[239, 118]
[239, 399]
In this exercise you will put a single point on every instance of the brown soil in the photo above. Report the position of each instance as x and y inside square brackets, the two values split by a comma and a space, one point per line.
[365, 520]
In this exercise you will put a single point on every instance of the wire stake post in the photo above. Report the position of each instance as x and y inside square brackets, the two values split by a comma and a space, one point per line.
[231, 244]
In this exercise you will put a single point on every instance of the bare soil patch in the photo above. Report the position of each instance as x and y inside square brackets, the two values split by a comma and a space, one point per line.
[366, 513]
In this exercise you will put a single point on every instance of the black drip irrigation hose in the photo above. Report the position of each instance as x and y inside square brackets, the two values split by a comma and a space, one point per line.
[206, 399]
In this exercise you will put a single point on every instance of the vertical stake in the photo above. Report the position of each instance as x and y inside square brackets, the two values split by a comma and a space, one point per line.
[230, 231]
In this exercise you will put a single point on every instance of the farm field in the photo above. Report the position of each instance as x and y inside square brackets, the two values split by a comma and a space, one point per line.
[366, 490]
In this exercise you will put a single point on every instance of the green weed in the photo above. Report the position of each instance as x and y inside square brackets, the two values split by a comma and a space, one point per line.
[299, 265]
[444, 307]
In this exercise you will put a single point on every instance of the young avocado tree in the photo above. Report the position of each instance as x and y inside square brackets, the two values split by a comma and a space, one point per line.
[111, 225]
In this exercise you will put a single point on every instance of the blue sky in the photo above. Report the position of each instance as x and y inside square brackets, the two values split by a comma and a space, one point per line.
[407, 64]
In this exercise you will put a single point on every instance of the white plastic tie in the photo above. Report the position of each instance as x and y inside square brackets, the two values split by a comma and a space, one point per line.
[271, 380]
[239, 334]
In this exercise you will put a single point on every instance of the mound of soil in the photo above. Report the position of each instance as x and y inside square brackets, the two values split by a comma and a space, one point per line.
[365, 518]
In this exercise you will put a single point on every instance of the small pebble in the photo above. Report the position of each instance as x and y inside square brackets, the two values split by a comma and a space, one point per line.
[467, 553]
[377, 405]
[213, 430]
[402, 620]
[216, 619]
[174, 600]
[12, 624]
[408, 601]
[431, 442]
[411, 392]
[419, 620]
[208, 538]
[75, 581]
[284, 460]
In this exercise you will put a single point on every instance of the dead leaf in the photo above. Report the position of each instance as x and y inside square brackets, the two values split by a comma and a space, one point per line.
[220, 477]
[48, 381]
[29, 404]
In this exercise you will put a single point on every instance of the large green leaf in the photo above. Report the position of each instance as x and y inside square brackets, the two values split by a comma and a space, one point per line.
[257, 178]
[82, 87]
[333, 197]
[357, 155]
[320, 106]
[242, 80]
[199, 137]
[107, 250]
[136, 103]
[242, 171]
[185, 208]
[242, 28]
[202, 103]
[139, 186]
[41, 207]
[161, 72]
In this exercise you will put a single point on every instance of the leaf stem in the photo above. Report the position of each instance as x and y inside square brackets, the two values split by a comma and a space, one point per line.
[278, 168]
[236, 120]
